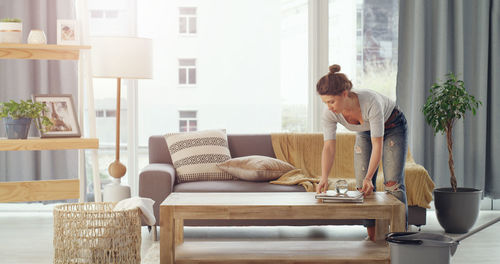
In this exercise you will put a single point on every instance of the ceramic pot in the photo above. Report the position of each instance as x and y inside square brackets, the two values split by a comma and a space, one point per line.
[37, 36]
[11, 32]
[17, 128]
[457, 211]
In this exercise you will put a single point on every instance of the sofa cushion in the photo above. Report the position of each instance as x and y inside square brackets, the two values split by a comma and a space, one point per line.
[196, 154]
[235, 186]
[256, 168]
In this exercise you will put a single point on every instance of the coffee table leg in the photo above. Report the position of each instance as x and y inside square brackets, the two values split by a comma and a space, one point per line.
[167, 235]
[381, 229]
[179, 231]
[398, 218]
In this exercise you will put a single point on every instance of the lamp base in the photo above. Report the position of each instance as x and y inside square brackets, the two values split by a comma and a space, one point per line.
[115, 191]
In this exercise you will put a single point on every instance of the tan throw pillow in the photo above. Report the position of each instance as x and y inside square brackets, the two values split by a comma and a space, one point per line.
[256, 168]
[196, 154]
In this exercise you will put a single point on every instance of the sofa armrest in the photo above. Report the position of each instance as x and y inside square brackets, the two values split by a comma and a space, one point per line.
[419, 185]
[156, 181]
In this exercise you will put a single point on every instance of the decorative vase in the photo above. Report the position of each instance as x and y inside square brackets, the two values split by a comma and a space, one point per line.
[11, 32]
[457, 211]
[17, 128]
[37, 36]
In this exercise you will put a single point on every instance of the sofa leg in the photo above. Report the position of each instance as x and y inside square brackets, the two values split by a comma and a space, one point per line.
[155, 234]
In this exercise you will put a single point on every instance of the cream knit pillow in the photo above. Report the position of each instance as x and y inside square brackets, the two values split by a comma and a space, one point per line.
[195, 155]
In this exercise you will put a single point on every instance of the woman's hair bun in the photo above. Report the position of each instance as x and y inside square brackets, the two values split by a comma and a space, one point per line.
[334, 68]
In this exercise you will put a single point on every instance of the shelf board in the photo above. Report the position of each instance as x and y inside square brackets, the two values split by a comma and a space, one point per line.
[289, 252]
[30, 191]
[48, 143]
[40, 51]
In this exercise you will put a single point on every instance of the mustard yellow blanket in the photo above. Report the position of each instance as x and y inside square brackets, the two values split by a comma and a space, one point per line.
[304, 152]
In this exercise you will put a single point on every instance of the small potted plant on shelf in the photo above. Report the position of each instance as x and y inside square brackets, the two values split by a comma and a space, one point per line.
[17, 117]
[11, 30]
[456, 208]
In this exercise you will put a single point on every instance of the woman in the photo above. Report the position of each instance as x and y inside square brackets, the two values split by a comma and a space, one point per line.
[381, 135]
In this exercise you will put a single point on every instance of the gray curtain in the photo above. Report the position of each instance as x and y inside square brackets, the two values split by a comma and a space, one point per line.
[19, 79]
[463, 36]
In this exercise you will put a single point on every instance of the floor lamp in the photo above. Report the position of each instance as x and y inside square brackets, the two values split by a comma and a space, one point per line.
[120, 58]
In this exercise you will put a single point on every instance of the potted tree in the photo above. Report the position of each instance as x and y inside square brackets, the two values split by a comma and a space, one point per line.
[11, 30]
[456, 208]
[17, 117]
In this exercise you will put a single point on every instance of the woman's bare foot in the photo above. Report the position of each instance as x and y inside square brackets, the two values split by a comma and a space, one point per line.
[371, 232]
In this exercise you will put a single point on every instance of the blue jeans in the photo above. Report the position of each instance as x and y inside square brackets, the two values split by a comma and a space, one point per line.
[395, 147]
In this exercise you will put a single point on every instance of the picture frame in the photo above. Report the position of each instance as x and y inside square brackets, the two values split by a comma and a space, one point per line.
[61, 112]
[68, 32]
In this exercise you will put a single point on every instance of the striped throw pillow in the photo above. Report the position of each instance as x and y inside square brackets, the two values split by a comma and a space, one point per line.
[195, 155]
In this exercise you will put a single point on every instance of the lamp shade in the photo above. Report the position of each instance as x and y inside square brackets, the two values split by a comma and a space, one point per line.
[122, 57]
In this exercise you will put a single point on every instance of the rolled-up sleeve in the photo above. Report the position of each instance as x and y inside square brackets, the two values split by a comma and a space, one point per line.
[329, 125]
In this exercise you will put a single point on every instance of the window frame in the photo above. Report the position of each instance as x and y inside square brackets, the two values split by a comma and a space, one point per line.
[188, 120]
[187, 73]
[188, 23]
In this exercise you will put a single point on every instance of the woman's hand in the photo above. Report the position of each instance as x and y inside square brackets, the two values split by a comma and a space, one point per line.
[322, 185]
[367, 187]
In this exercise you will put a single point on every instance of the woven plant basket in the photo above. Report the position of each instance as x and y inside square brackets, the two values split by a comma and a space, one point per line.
[94, 233]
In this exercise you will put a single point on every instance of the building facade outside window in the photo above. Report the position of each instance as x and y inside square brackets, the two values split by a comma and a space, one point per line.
[188, 121]
[99, 113]
[104, 113]
[187, 71]
[111, 113]
[103, 14]
[187, 20]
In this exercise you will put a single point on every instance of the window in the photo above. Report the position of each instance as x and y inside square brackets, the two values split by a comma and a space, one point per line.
[187, 71]
[255, 71]
[187, 20]
[110, 113]
[96, 13]
[99, 113]
[187, 121]
[99, 13]
[105, 113]
[251, 75]
[111, 13]
[363, 40]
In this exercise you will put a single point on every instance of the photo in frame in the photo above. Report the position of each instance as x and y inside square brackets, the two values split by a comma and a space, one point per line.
[61, 112]
[67, 32]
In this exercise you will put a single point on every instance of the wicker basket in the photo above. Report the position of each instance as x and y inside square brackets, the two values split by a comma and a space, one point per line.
[94, 233]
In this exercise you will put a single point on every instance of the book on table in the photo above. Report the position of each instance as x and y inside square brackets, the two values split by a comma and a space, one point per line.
[334, 197]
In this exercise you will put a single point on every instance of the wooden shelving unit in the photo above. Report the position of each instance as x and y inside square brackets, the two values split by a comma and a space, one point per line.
[53, 189]
[40, 51]
[32, 191]
[29, 191]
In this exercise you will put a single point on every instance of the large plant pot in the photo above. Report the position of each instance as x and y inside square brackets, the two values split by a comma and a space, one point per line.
[11, 32]
[457, 211]
[17, 128]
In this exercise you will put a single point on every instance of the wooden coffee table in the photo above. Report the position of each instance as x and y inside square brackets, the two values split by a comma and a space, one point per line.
[388, 212]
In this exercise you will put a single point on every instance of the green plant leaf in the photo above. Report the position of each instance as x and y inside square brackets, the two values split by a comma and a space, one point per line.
[25, 109]
[447, 102]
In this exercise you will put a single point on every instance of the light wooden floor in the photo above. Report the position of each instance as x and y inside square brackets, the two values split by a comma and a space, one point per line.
[26, 237]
